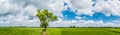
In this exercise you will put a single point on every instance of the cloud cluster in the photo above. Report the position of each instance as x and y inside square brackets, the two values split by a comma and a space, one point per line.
[83, 6]
[15, 14]
[108, 7]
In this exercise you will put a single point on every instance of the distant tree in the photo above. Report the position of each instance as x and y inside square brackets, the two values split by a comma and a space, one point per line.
[72, 26]
[45, 17]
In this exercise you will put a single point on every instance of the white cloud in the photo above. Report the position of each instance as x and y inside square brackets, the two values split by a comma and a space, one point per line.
[77, 17]
[108, 7]
[57, 7]
[17, 15]
[82, 23]
[18, 20]
[83, 6]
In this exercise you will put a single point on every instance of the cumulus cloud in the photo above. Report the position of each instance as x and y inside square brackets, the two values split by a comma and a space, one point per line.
[19, 20]
[82, 23]
[15, 15]
[83, 6]
[108, 7]
[55, 6]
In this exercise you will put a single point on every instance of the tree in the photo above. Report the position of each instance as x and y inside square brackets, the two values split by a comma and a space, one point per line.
[45, 17]
[72, 26]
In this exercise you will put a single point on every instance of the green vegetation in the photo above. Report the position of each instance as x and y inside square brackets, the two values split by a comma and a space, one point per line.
[88, 31]
[60, 31]
[45, 17]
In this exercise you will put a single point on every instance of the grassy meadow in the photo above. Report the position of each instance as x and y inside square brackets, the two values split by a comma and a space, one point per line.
[60, 31]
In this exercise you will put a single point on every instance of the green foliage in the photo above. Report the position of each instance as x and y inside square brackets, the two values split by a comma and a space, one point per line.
[45, 17]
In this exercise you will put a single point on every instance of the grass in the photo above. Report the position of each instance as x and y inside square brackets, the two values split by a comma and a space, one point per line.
[20, 31]
[60, 31]
[88, 31]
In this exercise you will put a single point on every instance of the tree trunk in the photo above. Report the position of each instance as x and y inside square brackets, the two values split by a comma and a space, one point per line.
[45, 28]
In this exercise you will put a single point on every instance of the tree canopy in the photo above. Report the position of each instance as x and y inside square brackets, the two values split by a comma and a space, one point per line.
[45, 17]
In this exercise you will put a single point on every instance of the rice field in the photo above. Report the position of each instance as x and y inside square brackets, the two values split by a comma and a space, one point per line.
[60, 31]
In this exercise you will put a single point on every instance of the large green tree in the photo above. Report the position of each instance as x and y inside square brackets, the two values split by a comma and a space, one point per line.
[45, 17]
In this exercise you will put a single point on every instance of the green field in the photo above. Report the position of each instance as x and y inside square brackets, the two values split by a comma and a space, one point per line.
[60, 31]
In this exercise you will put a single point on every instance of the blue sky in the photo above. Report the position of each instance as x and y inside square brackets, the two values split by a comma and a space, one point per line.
[81, 13]
[97, 16]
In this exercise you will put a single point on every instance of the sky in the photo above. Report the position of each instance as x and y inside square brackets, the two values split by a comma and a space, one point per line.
[79, 13]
